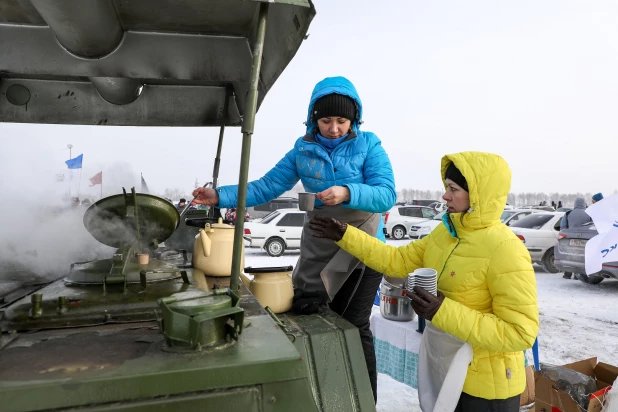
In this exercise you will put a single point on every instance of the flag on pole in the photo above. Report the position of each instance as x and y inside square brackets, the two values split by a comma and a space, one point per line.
[144, 185]
[75, 163]
[97, 179]
[604, 246]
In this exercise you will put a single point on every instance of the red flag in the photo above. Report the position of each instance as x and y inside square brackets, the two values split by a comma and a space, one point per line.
[97, 179]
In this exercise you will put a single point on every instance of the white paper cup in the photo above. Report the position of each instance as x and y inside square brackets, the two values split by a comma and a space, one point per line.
[306, 201]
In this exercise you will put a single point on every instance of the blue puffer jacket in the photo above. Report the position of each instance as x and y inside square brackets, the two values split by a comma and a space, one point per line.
[359, 163]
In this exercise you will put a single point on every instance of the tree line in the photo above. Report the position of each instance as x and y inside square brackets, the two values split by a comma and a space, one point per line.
[514, 199]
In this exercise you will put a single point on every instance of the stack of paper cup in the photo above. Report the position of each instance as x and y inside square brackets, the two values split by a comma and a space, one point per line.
[425, 278]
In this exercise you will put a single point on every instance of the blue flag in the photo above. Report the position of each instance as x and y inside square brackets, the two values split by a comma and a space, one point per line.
[75, 163]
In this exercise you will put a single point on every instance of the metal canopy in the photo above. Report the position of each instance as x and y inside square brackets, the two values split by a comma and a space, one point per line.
[140, 62]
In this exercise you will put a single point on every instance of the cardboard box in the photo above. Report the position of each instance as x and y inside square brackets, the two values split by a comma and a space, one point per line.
[527, 397]
[551, 399]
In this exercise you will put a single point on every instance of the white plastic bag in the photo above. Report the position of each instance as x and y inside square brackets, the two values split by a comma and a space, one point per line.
[442, 367]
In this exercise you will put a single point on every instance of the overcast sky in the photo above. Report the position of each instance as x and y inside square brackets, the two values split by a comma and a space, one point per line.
[534, 81]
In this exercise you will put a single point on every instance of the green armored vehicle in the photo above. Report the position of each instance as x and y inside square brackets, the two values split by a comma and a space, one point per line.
[138, 331]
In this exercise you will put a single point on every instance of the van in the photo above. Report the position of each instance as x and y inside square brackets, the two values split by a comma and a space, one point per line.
[260, 211]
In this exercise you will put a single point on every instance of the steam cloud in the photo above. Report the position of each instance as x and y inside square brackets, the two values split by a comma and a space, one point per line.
[39, 232]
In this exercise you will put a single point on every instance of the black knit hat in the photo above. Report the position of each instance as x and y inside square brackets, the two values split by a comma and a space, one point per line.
[334, 105]
[455, 175]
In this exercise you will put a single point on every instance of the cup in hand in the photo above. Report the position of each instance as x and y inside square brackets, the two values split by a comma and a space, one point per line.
[426, 278]
[306, 201]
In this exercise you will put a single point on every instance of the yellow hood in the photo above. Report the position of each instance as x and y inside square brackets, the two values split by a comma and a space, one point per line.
[489, 181]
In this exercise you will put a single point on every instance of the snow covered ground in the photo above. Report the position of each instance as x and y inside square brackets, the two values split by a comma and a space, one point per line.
[578, 321]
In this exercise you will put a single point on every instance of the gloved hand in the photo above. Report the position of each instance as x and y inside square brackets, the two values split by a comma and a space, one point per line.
[328, 228]
[424, 303]
[308, 302]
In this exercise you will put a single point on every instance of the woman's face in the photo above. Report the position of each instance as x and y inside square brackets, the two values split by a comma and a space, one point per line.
[334, 127]
[456, 198]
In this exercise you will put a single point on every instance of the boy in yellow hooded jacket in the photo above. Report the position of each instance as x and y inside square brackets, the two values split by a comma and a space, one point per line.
[486, 283]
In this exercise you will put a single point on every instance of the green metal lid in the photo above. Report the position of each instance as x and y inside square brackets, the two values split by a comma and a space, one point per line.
[127, 219]
[201, 304]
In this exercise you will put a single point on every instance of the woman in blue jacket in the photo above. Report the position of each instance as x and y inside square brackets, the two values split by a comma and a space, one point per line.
[352, 177]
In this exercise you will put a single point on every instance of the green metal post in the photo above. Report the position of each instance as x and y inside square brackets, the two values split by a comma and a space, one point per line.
[247, 131]
[138, 229]
[215, 172]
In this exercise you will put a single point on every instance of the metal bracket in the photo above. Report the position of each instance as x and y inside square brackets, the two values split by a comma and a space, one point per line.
[118, 271]
[280, 324]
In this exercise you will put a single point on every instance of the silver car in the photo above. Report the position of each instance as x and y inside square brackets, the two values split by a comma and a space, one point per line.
[570, 255]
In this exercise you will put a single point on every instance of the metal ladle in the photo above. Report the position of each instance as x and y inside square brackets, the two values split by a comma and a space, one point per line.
[184, 211]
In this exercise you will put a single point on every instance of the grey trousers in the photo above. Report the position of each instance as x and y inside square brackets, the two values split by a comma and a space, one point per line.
[469, 403]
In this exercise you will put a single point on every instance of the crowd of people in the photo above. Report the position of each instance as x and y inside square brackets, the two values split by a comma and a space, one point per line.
[182, 204]
[486, 284]
[559, 208]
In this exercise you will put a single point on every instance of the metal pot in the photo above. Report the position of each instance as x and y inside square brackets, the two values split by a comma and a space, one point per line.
[391, 289]
[394, 305]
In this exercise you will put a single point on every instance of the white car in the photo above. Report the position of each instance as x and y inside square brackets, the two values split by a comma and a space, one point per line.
[438, 206]
[420, 230]
[539, 232]
[510, 216]
[399, 219]
[276, 232]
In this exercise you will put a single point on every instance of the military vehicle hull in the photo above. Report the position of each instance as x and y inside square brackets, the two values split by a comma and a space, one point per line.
[100, 339]
[300, 363]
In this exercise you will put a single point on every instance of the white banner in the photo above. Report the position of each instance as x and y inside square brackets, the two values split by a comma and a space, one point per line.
[603, 247]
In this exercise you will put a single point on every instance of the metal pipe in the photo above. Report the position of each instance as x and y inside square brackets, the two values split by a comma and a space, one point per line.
[63, 304]
[215, 171]
[86, 28]
[247, 130]
[36, 310]
[138, 230]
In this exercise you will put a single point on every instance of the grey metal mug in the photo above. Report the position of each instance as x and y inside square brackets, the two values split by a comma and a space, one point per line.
[306, 201]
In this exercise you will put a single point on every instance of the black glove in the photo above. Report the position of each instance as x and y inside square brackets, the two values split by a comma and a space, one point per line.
[424, 303]
[328, 228]
[308, 302]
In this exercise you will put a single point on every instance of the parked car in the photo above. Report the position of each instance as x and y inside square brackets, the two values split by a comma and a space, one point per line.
[398, 220]
[564, 209]
[420, 230]
[423, 202]
[263, 210]
[570, 255]
[537, 207]
[539, 232]
[277, 232]
[438, 206]
[513, 215]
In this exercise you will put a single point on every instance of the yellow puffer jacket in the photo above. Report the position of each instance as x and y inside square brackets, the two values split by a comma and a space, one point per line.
[484, 272]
